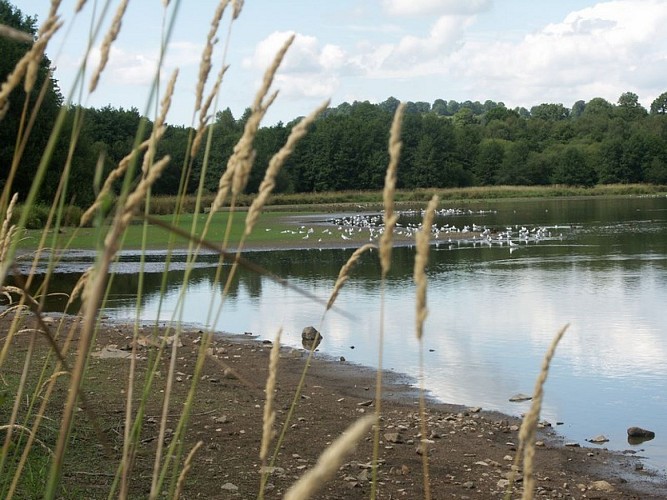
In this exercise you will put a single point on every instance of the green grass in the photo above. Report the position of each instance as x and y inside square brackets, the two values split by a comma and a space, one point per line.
[267, 232]
[283, 214]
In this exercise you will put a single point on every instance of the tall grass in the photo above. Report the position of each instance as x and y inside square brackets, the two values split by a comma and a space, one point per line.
[70, 350]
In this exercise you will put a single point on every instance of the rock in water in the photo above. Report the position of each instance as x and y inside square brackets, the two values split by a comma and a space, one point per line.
[598, 439]
[638, 432]
[520, 397]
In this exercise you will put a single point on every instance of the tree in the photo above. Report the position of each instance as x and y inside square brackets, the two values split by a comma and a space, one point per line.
[629, 107]
[573, 168]
[439, 107]
[11, 52]
[578, 109]
[550, 112]
[659, 105]
[390, 105]
[489, 158]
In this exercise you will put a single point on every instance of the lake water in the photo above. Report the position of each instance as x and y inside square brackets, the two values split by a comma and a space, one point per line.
[599, 264]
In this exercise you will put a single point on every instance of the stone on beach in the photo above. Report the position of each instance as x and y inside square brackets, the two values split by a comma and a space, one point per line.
[310, 333]
[310, 338]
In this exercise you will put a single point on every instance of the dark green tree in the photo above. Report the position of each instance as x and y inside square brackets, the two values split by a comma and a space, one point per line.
[11, 52]
[573, 169]
[659, 105]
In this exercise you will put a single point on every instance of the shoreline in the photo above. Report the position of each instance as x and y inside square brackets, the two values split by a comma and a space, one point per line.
[471, 450]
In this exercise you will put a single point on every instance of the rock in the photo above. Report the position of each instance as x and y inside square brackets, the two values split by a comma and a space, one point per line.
[601, 486]
[598, 439]
[469, 485]
[520, 397]
[363, 476]
[310, 338]
[393, 437]
[573, 445]
[638, 432]
[309, 333]
[229, 487]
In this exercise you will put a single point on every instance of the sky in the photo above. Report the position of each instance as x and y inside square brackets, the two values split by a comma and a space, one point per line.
[519, 52]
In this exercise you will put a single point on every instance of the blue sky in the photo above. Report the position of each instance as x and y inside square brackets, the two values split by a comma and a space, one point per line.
[520, 52]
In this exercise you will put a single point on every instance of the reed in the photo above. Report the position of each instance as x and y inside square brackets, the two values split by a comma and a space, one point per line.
[49, 396]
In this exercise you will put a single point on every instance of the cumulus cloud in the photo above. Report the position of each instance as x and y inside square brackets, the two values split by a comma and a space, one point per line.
[310, 69]
[444, 37]
[137, 66]
[438, 7]
[126, 67]
[603, 50]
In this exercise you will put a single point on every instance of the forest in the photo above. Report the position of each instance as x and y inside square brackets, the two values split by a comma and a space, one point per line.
[445, 143]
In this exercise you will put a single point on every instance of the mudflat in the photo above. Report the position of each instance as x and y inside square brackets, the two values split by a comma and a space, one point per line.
[471, 451]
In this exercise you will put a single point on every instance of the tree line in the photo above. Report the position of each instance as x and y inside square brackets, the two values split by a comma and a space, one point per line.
[445, 143]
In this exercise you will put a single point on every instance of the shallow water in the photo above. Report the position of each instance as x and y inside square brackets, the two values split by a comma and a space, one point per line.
[600, 265]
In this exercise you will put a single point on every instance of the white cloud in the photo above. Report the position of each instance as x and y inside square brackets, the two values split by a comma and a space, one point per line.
[125, 67]
[438, 7]
[603, 51]
[309, 69]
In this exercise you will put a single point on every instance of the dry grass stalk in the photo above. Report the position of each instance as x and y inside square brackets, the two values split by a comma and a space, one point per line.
[79, 6]
[390, 218]
[245, 155]
[30, 433]
[92, 295]
[14, 34]
[203, 117]
[135, 198]
[158, 126]
[47, 26]
[187, 465]
[78, 288]
[7, 231]
[528, 429]
[344, 272]
[269, 419]
[238, 165]
[238, 5]
[20, 70]
[205, 64]
[330, 460]
[109, 38]
[113, 176]
[45, 397]
[275, 164]
[421, 260]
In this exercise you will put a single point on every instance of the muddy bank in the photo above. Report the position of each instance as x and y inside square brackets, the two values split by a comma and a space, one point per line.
[470, 451]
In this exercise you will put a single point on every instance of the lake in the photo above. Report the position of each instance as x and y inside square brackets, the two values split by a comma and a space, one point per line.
[494, 306]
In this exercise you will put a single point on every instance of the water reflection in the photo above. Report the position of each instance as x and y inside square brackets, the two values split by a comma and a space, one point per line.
[493, 311]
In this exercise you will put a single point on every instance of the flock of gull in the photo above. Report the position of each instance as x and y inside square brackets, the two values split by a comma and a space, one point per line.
[369, 227]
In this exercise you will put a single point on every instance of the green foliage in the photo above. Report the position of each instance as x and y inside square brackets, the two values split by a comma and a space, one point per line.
[445, 144]
[659, 105]
[37, 215]
[573, 168]
[11, 52]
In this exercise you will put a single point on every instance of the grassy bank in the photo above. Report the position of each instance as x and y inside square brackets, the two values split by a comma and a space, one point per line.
[280, 225]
